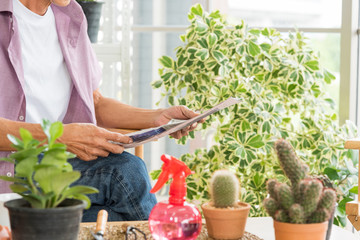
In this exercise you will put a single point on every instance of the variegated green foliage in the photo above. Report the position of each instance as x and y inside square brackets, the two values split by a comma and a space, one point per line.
[281, 83]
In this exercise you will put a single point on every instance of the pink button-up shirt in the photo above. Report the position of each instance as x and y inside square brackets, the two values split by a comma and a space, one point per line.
[79, 57]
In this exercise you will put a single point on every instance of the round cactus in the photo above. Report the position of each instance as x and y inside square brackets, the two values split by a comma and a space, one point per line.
[224, 189]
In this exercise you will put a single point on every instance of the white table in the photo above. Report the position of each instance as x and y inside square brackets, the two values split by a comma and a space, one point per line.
[263, 228]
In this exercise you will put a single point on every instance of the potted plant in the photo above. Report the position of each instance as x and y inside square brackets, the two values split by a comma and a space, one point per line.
[302, 209]
[49, 208]
[92, 10]
[225, 216]
[281, 81]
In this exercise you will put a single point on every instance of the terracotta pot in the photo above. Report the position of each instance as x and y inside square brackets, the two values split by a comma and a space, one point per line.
[313, 231]
[224, 223]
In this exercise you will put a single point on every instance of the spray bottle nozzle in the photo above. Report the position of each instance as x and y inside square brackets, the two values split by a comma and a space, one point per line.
[178, 171]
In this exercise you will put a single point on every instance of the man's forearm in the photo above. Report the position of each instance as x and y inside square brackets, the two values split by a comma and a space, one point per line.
[12, 127]
[111, 113]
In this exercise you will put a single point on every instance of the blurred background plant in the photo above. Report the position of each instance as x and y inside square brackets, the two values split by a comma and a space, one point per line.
[281, 82]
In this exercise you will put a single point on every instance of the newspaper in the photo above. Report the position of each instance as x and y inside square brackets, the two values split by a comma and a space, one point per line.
[151, 134]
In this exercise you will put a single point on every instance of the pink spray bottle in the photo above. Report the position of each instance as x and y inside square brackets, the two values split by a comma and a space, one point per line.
[174, 219]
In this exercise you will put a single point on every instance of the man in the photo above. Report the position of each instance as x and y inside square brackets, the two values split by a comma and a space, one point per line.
[48, 70]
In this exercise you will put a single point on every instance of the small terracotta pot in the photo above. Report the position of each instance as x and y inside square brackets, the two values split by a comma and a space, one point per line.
[311, 231]
[225, 223]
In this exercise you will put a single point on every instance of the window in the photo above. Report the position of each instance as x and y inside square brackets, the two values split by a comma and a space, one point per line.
[135, 33]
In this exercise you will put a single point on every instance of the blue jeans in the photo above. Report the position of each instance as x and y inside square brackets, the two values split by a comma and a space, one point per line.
[123, 183]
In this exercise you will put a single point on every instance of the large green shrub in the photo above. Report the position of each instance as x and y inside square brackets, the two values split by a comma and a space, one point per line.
[281, 83]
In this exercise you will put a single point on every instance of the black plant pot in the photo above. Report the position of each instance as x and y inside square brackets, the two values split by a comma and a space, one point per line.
[61, 223]
[92, 12]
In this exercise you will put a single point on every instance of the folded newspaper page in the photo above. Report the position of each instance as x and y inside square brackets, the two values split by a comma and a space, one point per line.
[151, 134]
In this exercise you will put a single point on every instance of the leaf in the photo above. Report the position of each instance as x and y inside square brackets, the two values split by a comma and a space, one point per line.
[202, 54]
[25, 168]
[84, 198]
[354, 190]
[13, 179]
[313, 65]
[267, 65]
[332, 173]
[18, 188]
[328, 77]
[210, 64]
[157, 84]
[54, 157]
[254, 49]
[10, 160]
[56, 130]
[211, 39]
[63, 180]
[166, 62]
[219, 56]
[215, 14]
[45, 177]
[266, 47]
[155, 174]
[16, 141]
[200, 27]
[255, 141]
[79, 189]
[197, 10]
[25, 136]
[34, 200]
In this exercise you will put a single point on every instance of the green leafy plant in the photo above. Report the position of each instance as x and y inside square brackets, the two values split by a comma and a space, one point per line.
[224, 188]
[42, 174]
[281, 81]
[305, 200]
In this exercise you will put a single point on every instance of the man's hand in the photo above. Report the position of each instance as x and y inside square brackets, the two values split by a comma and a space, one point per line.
[177, 112]
[88, 141]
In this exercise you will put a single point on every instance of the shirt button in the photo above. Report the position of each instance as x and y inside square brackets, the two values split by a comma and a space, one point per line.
[9, 174]
[21, 118]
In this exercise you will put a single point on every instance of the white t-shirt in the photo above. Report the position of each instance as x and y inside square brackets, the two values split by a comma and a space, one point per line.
[47, 82]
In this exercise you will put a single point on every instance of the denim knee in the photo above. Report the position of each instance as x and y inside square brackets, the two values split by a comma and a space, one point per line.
[123, 184]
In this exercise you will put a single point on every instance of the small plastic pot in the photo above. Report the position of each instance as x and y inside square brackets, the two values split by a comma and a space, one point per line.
[61, 223]
[226, 223]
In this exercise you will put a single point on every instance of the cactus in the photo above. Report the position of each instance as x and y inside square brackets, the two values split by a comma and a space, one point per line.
[328, 199]
[289, 162]
[284, 196]
[310, 195]
[270, 186]
[320, 215]
[271, 206]
[224, 189]
[296, 213]
[281, 216]
[306, 200]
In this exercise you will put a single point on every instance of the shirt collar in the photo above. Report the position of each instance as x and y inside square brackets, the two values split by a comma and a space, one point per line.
[6, 6]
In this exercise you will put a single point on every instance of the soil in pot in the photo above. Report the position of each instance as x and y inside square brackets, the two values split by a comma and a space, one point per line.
[287, 231]
[226, 223]
[61, 223]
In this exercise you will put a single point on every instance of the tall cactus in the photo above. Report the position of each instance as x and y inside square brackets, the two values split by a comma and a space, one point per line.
[289, 162]
[306, 200]
[224, 189]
